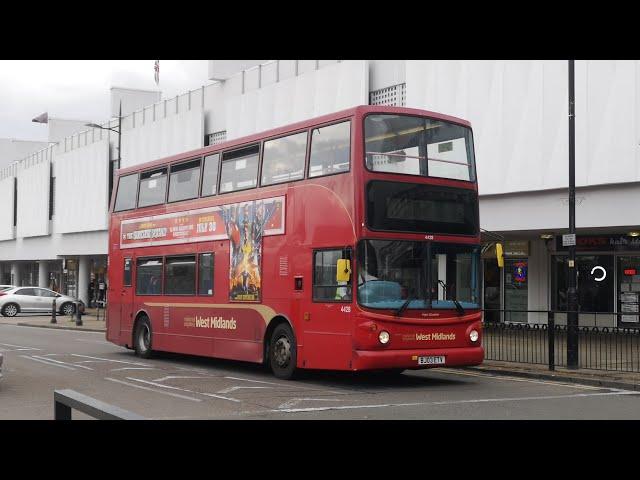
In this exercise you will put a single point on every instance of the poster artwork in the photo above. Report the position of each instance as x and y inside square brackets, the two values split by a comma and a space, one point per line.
[520, 272]
[245, 225]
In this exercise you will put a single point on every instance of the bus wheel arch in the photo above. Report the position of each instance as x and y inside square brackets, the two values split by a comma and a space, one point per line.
[141, 335]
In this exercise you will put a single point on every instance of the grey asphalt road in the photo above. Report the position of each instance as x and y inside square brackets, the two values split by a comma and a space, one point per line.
[38, 361]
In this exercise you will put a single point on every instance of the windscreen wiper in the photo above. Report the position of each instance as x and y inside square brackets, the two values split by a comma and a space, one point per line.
[404, 306]
[459, 308]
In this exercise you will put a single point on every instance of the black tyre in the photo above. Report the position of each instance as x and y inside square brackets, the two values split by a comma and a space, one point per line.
[10, 310]
[283, 352]
[67, 308]
[142, 338]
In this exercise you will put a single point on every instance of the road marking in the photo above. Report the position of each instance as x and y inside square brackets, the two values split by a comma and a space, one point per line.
[19, 347]
[295, 401]
[285, 385]
[62, 363]
[233, 389]
[110, 360]
[132, 368]
[153, 390]
[47, 362]
[454, 402]
[168, 377]
[221, 397]
[254, 381]
[517, 379]
[181, 389]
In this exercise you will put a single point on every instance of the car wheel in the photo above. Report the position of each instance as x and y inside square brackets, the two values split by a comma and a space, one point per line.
[10, 310]
[142, 338]
[283, 352]
[67, 309]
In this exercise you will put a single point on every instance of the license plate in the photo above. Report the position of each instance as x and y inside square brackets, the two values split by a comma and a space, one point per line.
[435, 360]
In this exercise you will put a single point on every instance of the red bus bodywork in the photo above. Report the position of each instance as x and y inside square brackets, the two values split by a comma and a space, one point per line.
[320, 212]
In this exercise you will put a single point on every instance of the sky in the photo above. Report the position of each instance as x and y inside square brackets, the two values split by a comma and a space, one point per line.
[79, 89]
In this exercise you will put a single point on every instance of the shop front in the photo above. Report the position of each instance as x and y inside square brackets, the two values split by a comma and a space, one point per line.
[608, 280]
[507, 288]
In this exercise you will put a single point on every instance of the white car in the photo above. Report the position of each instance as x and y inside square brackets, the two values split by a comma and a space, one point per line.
[6, 287]
[35, 300]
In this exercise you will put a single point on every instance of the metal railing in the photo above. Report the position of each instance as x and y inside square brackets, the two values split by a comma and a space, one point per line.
[541, 338]
[65, 400]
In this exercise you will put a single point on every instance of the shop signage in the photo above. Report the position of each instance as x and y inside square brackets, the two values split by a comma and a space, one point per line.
[589, 243]
[630, 271]
[212, 223]
[516, 248]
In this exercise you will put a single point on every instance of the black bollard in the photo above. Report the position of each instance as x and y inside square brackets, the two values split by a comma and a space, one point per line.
[53, 312]
[78, 315]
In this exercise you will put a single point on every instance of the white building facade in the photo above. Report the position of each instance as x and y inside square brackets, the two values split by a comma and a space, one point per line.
[55, 233]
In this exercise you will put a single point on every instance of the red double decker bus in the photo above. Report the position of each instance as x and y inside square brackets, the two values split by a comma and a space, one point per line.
[347, 242]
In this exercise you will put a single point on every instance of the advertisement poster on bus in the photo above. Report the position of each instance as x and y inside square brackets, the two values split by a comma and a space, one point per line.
[190, 226]
[245, 226]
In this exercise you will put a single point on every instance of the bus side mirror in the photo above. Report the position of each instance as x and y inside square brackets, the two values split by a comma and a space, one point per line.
[343, 270]
[499, 255]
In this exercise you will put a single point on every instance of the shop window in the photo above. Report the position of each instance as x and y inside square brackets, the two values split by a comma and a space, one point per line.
[149, 276]
[326, 288]
[594, 284]
[180, 275]
[205, 274]
[283, 159]
[629, 290]
[330, 149]
[516, 289]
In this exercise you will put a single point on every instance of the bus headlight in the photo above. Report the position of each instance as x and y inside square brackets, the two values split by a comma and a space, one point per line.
[474, 335]
[383, 337]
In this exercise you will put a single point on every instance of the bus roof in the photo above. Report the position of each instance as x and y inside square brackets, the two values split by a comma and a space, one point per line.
[279, 131]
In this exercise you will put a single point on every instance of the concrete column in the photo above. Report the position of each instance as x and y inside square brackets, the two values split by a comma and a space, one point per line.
[43, 274]
[83, 279]
[16, 277]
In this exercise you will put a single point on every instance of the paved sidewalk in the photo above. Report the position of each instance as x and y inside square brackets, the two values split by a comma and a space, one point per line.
[602, 378]
[90, 321]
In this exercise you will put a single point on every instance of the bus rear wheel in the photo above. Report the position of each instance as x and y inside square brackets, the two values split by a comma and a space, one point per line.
[142, 338]
[283, 352]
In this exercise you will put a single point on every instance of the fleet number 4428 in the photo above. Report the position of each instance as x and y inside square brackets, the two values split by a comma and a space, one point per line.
[345, 309]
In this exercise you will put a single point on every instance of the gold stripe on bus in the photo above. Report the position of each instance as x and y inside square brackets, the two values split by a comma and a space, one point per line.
[267, 313]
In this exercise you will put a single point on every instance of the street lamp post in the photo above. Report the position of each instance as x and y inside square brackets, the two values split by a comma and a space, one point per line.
[119, 132]
[572, 295]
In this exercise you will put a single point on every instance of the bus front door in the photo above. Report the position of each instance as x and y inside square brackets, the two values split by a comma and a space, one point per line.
[327, 318]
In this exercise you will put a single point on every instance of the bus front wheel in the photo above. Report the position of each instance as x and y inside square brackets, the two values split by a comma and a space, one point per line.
[282, 352]
[142, 338]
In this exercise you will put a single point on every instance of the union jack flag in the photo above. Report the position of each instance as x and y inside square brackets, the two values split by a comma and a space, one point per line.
[156, 68]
